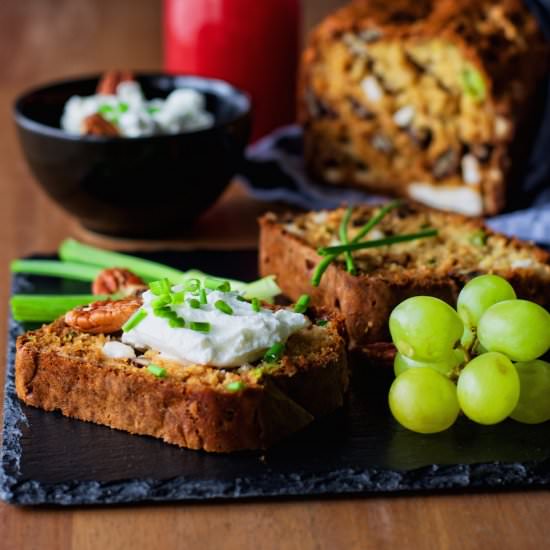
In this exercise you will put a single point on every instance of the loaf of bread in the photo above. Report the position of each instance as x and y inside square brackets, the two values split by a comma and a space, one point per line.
[193, 406]
[435, 100]
[437, 266]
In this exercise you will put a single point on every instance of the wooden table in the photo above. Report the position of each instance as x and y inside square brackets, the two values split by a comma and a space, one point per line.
[45, 39]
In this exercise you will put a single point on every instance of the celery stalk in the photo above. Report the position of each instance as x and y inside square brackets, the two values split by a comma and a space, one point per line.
[55, 268]
[73, 251]
[46, 308]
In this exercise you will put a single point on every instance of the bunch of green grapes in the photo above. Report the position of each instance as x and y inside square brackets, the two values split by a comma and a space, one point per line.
[482, 358]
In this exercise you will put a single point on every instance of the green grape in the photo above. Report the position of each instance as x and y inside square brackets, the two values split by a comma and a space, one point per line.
[517, 328]
[424, 401]
[488, 388]
[401, 363]
[534, 395]
[425, 328]
[479, 295]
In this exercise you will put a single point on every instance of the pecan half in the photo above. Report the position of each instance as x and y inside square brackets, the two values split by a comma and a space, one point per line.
[118, 280]
[108, 83]
[96, 125]
[103, 317]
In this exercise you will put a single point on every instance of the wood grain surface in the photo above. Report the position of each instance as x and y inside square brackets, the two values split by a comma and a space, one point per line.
[45, 39]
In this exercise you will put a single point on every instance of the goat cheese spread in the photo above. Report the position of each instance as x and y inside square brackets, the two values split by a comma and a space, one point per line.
[233, 339]
[134, 116]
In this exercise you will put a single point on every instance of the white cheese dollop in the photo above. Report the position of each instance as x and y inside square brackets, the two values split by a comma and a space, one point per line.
[183, 110]
[233, 340]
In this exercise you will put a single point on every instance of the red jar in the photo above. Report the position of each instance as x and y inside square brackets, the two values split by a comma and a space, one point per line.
[253, 44]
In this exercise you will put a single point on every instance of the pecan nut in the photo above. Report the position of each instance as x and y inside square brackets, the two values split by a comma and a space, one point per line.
[103, 317]
[108, 83]
[118, 280]
[96, 125]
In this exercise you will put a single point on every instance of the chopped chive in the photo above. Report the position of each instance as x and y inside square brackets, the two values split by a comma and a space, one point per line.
[191, 285]
[235, 386]
[195, 304]
[302, 304]
[241, 298]
[274, 353]
[177, 298]
[153, 110]
[123, 107]
[224, 307]
[321, 322]
[199, 326]
[163, 312]
[255, 305]
[157, 371]
[343, 233]
[176, 322]
[375, 220]
[105, 109]
[330, 250]
[158, 288]
[135, 320]
[217, 284]
[161, 301]
[202, 296]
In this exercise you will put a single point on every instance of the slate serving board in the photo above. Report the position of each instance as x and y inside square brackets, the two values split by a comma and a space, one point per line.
[49, 459]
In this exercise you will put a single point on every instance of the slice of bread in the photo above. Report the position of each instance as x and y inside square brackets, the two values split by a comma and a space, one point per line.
[194, 406]
[437, 266]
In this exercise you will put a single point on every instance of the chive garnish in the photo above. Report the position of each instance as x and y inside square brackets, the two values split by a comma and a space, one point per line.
[177, 298]
[343, 233]
[274, 353]
[161, 301]
[176, 322]
[153, 110]
[135, 320]
[330, 250]
[224, 307]
[321, 322]
[194, 303]
[217, 284]
[158, 288]
[123, 107]
[191, 285]
[164, 312]
[235, 386]
[241, 298]
[375, 220]
[255, 305]
[157, 371]
[202, 296]
[302, 304]
[199, 326]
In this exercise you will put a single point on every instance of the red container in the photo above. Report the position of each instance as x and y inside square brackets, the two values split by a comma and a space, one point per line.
[253, 44]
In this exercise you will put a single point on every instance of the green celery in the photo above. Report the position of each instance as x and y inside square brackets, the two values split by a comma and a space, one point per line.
[46, 308]
[55, 268]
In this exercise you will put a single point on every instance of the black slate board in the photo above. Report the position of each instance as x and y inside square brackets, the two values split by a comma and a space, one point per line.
[49, 459]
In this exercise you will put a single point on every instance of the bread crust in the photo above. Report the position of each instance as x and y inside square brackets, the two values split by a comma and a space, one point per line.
[366, 300]
[186, 413]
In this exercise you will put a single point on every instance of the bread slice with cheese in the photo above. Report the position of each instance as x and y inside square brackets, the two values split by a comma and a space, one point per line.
[437, 266]
[194, 406]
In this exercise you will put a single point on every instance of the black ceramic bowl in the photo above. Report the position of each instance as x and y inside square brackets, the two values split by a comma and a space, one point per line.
[134, 187]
